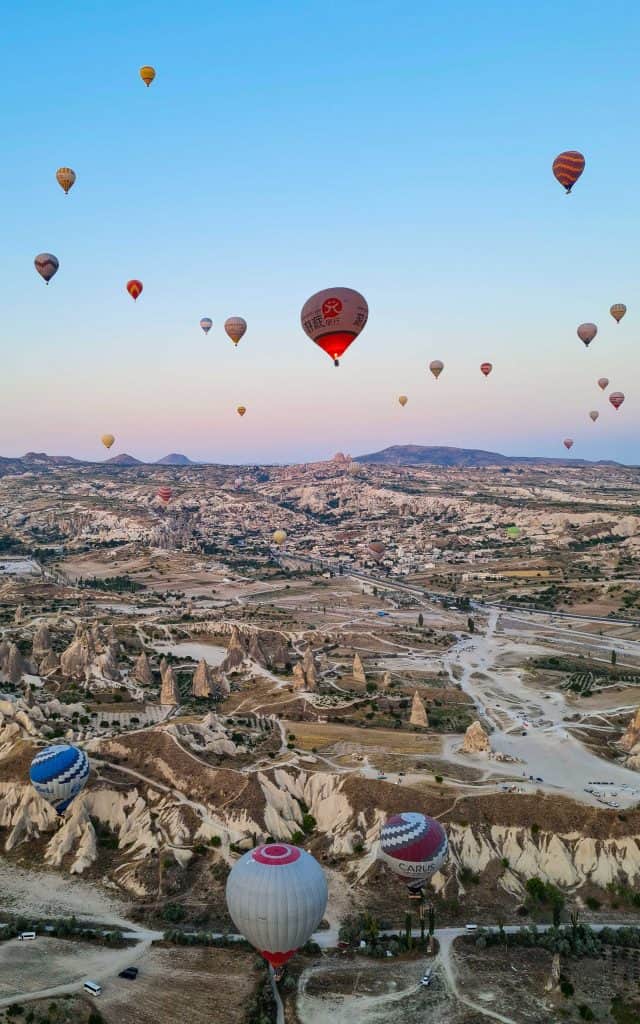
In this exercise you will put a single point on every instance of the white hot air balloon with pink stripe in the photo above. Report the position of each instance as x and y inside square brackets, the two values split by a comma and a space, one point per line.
[277, 896]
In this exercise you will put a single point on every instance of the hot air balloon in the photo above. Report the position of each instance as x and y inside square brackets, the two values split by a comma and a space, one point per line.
[241, 410]
[134, 288]
[147, 74]
[587, 332]
[107, 440]
[568, 443]
[436, 366]
[414, 847]
[47, 265]
[58, 773]
[617, 311]
[279, 537]
[65, 178]
[594, 415]
[616, 398]
[277, 896]
[333, 318]
[235, 327]
[377, 550]
[164, 493]
[567, 168]
[403, 400]
[206, 323]
[486, 368]
[603, 383]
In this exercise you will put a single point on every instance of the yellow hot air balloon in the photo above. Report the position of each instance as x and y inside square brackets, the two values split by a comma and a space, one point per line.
[65, 178]
[241, 410]
[279, 537]
[147, 74]
[403, 400]
[107, 440]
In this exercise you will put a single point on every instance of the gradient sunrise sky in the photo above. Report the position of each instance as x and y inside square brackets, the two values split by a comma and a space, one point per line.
[403, 150]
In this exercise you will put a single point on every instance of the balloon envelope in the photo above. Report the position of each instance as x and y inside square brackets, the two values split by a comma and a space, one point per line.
[235, 327]
[403, 400]
[603, 383]
[277, 896]
[617, 311]
[279, 536]
[333, 318]
[486, 368]
[587, 332]
[567, 168]
[164, 493]
[65, 178]
[377, 549]
[107, 440]
[568, 443]
[58, 773]
[436, 366]
[147, 74]
[616, 398]
[594, 415]
[47, 265]
[413, 846]
[206, 323]
[241, 410]
[134, 287]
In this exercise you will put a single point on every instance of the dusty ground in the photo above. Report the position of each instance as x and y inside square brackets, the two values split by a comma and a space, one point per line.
[47, 962]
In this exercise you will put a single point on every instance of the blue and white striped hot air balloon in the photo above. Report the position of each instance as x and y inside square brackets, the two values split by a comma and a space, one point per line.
[59, 773]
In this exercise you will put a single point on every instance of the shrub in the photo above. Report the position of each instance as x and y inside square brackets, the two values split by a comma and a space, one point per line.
[566, 988]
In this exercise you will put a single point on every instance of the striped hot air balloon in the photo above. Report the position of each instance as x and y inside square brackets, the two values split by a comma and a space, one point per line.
[236, 328]
[617, 311]
[277, 896]
[414, 847]
[586, 333]
[47, 265]
[164, 493]
[567, 168]
[206, 323]
[616, 398]
[65, 178]
[134, 287]
[486, 368]
[58, 773]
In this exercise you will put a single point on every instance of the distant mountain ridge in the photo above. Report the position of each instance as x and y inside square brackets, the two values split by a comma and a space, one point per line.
[123, 460]
[441, 455]
[174, 459]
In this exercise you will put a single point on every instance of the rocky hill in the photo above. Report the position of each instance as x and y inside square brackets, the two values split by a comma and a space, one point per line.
[434, 455]
[174, 459]
[123, 460]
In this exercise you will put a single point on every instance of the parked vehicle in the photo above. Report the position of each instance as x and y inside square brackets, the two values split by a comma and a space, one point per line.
[92, 987]
[26, 936]
[131, 973]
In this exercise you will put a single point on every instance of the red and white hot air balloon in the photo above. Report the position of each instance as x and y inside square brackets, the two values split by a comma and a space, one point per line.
[414, 847]
[568, 443]
[486, 368]
[586, 333]
[593, 415]
[277, 896]
[134, 287]
[165, 493]
[333, 318]
[603, 383]
[616, 398]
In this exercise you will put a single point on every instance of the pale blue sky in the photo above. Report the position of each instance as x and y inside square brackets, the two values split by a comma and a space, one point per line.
[403, 150]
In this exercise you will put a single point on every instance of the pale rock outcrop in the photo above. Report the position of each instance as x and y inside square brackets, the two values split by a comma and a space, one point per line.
[41, 643]
[419, 715]
[235, 652]
[553, 981]
[476, 740]
[142, 671]
[256, 653]
[49, 663]
[15, 665]
[19, 615]
[386, 681]
[24, 813]
[299, 678]
[280, 655]
[310, 671]
[221, 686]
[107, 663]
[357, 671]
[77, 657]
[207, 736]
[169, 692]
[202, 683]
[630, 742]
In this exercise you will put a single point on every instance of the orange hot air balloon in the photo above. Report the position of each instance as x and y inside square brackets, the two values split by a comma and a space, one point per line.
[333, 319]
[594, 415]
[616, 398]
[236, 328]
[147, 74]
[436, 366]
[617, 311]
[603, 383]
[65, 178]
[486, 368]
[403, 400]
[568, 443]
[241, 410]
[567, 168]
[165, 493]
[134, 288]
[586, 333]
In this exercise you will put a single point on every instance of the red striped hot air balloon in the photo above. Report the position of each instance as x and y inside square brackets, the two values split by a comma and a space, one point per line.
[165, 493]
[586, 333]
[616, 398]
[568, 443]
[134, 288]
[486, 368]
[567, 168]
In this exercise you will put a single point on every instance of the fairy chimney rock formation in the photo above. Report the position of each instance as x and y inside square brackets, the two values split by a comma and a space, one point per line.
[235, 651]
[15, 665]
[299, 678]
[202, 684]
[169, 693]
[476, 740]
[386, 681]
[256, 652]
[309, 669]
[142, 670]
[357, 671]
[41, 643]
[418, 712]
[76, 658]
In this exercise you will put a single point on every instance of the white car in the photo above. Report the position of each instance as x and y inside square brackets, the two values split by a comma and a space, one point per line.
[426, 979]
